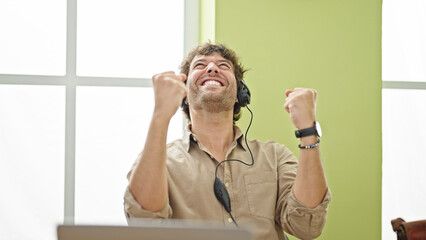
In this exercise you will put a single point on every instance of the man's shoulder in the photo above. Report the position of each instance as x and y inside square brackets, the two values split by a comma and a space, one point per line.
[175, 144]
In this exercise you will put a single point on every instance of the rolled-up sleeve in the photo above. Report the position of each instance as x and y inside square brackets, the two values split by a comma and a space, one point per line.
[133, 209]
[305, 222]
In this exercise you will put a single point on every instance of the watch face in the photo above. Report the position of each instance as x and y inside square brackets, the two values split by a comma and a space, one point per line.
[297, 132]
[318, 127]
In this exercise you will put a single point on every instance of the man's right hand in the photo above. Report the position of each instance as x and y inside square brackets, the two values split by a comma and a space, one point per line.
[148, 181]
[169, 90]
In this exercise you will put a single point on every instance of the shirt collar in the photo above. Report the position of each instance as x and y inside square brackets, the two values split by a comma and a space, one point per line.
[188, 135]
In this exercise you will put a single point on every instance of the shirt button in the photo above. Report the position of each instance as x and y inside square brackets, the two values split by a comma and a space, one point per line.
[229, 220]
[227, 186]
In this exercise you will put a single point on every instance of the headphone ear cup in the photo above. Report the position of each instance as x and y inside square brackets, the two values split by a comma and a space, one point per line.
[243, 95]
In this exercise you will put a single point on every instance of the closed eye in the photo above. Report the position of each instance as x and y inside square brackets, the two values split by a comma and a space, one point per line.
[224, 65]
[199, 65]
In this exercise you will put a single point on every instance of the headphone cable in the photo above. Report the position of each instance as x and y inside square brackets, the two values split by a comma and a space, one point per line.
[219, 188]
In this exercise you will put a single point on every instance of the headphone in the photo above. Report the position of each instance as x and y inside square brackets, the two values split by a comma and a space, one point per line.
[243, 94]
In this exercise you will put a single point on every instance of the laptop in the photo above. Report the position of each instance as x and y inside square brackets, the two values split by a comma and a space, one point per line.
[144, 230]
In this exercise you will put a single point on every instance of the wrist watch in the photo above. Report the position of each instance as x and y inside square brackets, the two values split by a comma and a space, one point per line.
[315, 130]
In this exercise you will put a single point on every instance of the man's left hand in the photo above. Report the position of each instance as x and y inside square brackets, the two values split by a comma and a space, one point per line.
[301, 104]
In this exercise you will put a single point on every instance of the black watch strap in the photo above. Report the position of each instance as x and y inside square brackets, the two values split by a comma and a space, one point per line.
[306, 132]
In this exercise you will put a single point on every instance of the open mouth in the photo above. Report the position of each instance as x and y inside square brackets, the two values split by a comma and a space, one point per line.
[211, 82]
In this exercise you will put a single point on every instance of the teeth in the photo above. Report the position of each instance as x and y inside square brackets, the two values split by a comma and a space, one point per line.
[212, 83]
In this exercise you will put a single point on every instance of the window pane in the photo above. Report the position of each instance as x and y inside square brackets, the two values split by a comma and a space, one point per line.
[403, 40]
[33, 37]
[126, 38]
[32, 123]
[112, 123]
[403, 180]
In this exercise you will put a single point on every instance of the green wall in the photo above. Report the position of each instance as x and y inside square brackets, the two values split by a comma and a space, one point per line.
[333, 46]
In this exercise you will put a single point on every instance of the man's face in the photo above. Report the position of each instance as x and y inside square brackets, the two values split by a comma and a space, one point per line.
[211, 83]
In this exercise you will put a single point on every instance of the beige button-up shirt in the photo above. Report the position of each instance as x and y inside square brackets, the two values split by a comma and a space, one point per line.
[261, 195]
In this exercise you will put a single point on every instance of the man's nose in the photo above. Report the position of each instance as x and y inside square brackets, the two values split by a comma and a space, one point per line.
[212, 68]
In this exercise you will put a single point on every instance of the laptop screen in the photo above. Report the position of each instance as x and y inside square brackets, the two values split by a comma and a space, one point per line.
[154, 230]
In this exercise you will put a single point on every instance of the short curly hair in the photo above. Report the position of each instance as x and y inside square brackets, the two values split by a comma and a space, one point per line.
[207, 49]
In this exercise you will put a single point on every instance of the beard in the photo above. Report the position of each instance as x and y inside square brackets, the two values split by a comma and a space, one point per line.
[212, 102]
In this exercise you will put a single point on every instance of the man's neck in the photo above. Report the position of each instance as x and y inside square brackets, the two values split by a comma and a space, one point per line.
[215, 131]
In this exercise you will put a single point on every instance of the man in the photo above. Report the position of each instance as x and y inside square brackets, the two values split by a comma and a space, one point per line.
[176, 180]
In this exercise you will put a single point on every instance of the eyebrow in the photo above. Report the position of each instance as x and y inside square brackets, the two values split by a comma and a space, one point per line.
[220, 61]
[199, 60]
[226, 61]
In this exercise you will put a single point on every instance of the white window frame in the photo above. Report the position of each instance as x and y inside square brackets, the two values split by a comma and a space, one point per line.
[403, 85]
[71, 81]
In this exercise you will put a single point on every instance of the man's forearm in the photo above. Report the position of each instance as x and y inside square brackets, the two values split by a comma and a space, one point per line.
[310, 184]
[148, 182]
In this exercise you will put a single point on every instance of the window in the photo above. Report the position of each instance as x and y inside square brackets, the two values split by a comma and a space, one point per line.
[75, 104]
[33, 37]
[32, 145]
[112, 123]
[403, 111]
